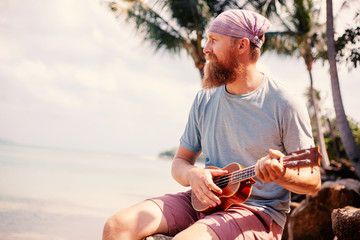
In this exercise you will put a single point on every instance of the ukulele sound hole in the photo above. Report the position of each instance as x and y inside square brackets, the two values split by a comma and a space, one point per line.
[222, 181]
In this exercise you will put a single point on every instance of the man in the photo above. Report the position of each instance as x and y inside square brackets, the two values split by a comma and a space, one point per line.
[238, 116]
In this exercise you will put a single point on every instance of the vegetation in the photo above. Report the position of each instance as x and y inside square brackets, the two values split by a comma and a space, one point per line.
[334, 144]
[169, 154]
[347, 45]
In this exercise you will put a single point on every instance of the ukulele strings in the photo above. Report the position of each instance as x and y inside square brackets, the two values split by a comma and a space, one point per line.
[244, 173]
[237, 175]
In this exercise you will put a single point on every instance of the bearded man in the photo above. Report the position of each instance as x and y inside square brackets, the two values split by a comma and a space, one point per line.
[241, 115]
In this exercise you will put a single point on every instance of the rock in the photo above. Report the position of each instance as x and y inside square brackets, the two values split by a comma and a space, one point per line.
[312, 218]
[158, 237]
[336, 170]
[346, 223]
[348, 183]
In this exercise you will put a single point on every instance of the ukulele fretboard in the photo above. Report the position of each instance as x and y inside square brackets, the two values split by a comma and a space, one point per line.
[243, 174]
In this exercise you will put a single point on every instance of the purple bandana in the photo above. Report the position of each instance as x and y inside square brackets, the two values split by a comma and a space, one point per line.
[241, 24]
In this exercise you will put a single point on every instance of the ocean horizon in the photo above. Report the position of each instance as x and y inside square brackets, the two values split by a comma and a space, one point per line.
[57, 194]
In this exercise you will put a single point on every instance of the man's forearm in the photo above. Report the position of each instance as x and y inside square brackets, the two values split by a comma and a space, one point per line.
[179, 170]
[302, 181]
[183, 161]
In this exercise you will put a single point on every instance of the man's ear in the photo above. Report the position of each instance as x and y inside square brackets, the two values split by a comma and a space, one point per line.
[244, 44]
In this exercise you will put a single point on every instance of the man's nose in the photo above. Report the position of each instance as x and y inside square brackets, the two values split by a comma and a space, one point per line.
[207, 48]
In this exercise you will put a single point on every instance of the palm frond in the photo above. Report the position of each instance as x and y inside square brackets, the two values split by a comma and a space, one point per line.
[218, 6]
[302, 19]
[283, 43]
[154, 28]
[190, 15]
[268, 8]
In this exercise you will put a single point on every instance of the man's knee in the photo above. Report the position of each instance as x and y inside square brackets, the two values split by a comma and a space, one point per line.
[116, 226]
[135, 222]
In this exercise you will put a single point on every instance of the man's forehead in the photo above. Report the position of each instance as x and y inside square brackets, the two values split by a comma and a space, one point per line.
[216, 35]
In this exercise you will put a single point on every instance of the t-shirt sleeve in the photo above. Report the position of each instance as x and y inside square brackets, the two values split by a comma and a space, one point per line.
[191, 138]
[296, 130]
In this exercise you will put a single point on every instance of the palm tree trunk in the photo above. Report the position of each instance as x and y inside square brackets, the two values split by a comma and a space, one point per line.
[197, 55]
[320, 134]
[346, 136]
[333, 138]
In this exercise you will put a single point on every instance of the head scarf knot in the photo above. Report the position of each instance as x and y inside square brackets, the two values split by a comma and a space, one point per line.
[241, 24]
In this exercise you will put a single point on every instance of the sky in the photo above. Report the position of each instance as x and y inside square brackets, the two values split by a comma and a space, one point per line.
[73, 76]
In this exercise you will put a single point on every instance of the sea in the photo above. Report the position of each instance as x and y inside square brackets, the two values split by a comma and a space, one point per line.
[52, 194]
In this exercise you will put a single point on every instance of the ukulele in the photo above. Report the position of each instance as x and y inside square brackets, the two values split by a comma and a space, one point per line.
[236, 185]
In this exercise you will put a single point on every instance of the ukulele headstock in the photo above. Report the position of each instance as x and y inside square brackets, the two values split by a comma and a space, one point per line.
[303, 158]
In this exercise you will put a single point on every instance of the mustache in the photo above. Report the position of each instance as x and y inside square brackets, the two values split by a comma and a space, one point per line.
[211, 56]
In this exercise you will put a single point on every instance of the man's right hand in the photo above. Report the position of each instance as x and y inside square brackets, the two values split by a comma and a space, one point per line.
[201, 182]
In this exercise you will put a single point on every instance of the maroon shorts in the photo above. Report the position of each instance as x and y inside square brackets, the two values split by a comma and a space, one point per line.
[238, 222]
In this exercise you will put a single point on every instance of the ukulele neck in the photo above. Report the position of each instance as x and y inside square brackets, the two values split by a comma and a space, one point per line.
[243, 174]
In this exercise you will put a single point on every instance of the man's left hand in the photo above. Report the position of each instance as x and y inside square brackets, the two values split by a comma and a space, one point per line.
[270, 168]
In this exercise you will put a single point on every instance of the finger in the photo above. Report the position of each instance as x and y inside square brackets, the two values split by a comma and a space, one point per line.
[266, 168]
[278, 168]
[218, 172]
[203, 198]
[275, 169]
[211, 189]
[276, 153]
[279, 156]
[208, 197]
[260, 170]
[272, 167]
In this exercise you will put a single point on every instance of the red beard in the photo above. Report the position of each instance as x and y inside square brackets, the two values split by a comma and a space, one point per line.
[217, 74]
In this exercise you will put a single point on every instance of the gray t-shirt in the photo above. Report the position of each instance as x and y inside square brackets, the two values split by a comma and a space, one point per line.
[242, 128]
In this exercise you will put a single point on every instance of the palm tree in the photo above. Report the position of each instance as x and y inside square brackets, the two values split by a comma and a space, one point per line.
[173, 25]
[302, 35]
[342, 123]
